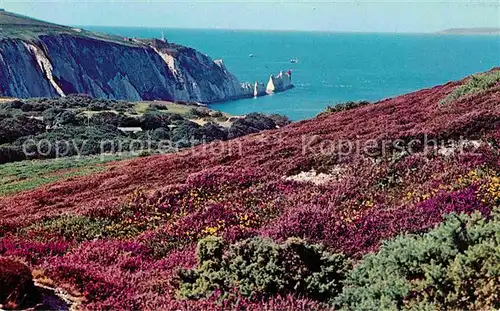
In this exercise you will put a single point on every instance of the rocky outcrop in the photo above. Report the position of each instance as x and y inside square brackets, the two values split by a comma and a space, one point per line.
[45, 66]
[17, 289]
[61, 64]
[279, 83]
[20, 75]
[259, 89]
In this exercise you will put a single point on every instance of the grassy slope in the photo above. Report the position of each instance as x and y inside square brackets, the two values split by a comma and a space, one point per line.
[406, 115]
[164, 204]
[13, 25]
[27, 175]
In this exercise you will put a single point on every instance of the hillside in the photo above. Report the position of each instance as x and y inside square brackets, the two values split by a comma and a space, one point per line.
[471, 31]
[39, 59]
[348, 179]
[18, 26]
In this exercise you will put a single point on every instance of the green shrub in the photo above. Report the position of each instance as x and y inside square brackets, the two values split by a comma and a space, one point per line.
[454, 267]
[15, 104]
[186, 133]
[475, 84]
[152, 120]
[72, 227]
[344, 106]
[216, 114]
[105, 118]
[50, 115]
[280, 120]
[260, 267]
[13, 128]
[74, 140]
[213, 131]
[9, 153]
[197, 113]
[251, 123]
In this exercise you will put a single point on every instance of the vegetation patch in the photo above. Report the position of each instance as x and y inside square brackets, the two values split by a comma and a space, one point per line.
[77, 228]
[41, 128]
[136, 225]
[454, 267]
[260, 267]
[27, 175]
[344, 106]
[474, 84]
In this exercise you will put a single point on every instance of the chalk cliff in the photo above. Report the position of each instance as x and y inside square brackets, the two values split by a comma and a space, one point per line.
[279, 83]
[61, 64]
[56, 60]
[259, 89]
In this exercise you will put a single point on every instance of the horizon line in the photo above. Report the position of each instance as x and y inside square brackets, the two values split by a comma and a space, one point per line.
[439, 32]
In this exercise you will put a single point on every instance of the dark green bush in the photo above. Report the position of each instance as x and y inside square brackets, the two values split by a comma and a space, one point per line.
[15, 104]
[152, 120]
[50, 115]
[344, 106]
[259, 121]
[252, 123]
[68, 117]
[174, 117]
[27, 107]
[280, 120]
[260, 267]
[216, 114]
[105, 118]
[186, 133]
[80, 101]
[239, 129]
[13, 128]
[454, 267]
[159, 106]
[160, 134]
[213, 131]
[197, 113]
[9, 153]
[74, 140]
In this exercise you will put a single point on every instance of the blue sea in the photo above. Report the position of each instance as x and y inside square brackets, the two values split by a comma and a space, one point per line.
[333, 67]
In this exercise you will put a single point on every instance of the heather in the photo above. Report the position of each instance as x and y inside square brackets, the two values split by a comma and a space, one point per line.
[121, 236]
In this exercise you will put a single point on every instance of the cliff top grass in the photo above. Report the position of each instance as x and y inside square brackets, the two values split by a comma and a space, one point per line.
[16, 26]
[19, 26]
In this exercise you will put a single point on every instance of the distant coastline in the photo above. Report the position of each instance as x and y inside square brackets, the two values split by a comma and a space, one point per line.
[471, 31]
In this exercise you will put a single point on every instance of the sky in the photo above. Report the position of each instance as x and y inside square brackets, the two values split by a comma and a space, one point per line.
[354, 15]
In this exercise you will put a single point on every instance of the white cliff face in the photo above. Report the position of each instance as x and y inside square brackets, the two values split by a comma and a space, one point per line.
[61, 64]
[235, 87]
[259, 89]
[198, 85]
[180, 90]
[279, 83]
[45, 66]
[20, 76]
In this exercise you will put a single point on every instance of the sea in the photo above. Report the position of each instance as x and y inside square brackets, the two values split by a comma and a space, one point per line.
[331, 68]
